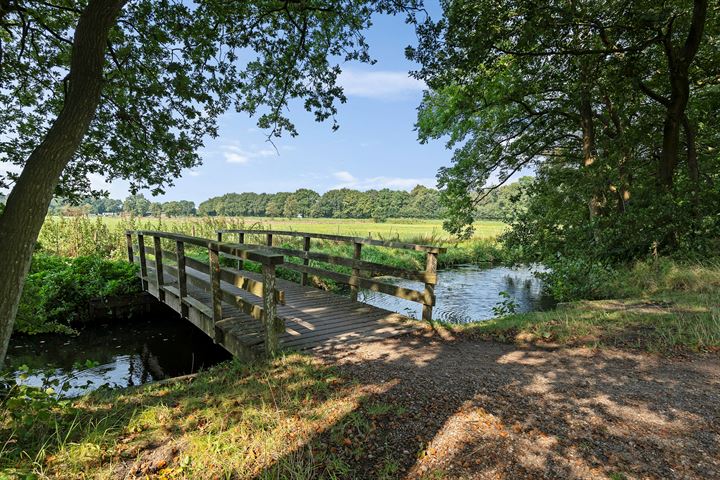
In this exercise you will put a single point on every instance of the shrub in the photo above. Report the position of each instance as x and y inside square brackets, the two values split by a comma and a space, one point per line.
[58, 290]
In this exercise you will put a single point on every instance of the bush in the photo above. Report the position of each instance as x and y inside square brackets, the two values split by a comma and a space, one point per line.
[58, 290]
[576, 279]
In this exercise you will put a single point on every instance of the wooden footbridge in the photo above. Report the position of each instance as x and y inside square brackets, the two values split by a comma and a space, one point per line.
[231, 291]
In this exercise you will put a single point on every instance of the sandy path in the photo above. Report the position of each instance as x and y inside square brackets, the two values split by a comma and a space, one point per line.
[478, 409]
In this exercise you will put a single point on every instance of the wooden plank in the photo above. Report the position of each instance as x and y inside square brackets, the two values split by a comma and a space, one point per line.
[430, 268]
[243, 251]
[231, 276]
[375, 286]
[343, 238]
[357, 253]
[307, 340]
[159, 280]
[306, 259]
[372, 267]
[143, 261]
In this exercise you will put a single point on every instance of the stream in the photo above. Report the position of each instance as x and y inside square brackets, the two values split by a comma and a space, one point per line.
[156, 346]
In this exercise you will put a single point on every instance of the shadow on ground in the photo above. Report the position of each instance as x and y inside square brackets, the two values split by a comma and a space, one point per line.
[455, 408]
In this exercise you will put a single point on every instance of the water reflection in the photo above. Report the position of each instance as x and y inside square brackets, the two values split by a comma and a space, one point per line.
[127, 353]
[469, 292]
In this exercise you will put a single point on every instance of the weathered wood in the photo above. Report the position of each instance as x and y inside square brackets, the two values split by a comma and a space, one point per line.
[241, 240]
[430, 268]
[362, 265]
[182, 275]
[143, 261]
[214, 260]
[159, 280]
[375, 286]
[343, 238]
[273, 325]
[246, 252]
[130, 254]
[242, 311]
[306, 260]
[357, 253]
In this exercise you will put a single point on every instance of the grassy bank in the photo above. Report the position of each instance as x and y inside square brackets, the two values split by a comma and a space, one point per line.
[662, 306]
[293, 418]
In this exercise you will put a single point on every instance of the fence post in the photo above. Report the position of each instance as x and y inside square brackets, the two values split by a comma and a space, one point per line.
[241, 240]
[273, 325]
[355, 271]
[131, 255]
[214, 256]
[219, 236]
[182, 277]
[429, 300]
[269, 240]
[306, 261]
[159, 277]
[143, 261]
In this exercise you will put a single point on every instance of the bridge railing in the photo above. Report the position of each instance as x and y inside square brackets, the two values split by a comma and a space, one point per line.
[363, 273]
[169, 259]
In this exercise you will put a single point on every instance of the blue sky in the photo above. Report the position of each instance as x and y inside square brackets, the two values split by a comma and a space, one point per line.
[375, 147]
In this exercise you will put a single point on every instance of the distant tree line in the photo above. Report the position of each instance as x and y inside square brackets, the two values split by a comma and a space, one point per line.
[420, 202]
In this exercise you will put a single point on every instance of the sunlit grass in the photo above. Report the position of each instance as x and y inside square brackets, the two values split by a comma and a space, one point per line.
[662, 306]
[233, 420]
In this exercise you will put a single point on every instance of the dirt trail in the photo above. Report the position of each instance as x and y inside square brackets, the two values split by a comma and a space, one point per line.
[474, 409]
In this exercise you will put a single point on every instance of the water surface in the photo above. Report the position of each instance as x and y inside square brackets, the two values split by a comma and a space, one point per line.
[468, 293]
[128, 352]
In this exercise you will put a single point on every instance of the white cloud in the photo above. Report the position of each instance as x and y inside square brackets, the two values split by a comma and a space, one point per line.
[344, 176]
[234, 153]
[398, 183]
[232, 157]
[385, 85]
[194, 173]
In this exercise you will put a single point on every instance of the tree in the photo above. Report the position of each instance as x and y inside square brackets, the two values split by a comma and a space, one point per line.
[601, 99]
[276, 204]
[137, 205]
[301, 202]
[172, 68]
[181, 208]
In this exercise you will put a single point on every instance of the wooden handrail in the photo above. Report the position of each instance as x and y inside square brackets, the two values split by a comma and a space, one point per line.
[356, 280]
[265, 290]
[342, 238]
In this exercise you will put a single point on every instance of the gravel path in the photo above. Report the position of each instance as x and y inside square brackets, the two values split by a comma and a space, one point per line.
[474, 409]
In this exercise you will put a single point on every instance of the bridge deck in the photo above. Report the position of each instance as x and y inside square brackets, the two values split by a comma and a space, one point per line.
[314, 319]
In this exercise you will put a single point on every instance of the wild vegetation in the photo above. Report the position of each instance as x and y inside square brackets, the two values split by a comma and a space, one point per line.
[611, 103]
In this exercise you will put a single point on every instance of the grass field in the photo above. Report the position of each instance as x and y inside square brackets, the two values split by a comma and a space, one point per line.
[400, 228]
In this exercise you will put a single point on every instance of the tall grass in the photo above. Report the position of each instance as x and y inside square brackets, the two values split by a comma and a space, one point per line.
[82, 235]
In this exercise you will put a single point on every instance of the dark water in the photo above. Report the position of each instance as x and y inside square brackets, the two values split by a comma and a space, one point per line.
[128, 352]
[469, 292]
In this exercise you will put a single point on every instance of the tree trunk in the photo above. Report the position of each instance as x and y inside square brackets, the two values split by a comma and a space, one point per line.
[28, 201]
[679, 61]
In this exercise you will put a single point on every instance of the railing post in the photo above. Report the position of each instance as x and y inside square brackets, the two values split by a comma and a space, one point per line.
[430, 268]
[131, 255]
[273, 324]
[182, 277]
[219, 236]
[143, 261]
[159, 277]
[214, 255]
[269, 240]
[241, 240]
[306, 260]
[355, 271]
